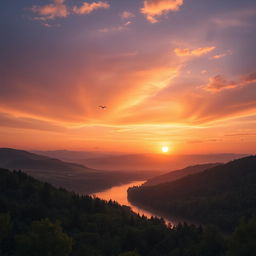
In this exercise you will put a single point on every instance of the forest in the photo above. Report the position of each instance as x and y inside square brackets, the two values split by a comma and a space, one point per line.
[221, 195]
[37, 219]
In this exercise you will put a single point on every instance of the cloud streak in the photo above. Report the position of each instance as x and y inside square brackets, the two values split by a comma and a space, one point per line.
[184, 52]
[127, 15]
[59, 9]
[87, 8]
[219, 83]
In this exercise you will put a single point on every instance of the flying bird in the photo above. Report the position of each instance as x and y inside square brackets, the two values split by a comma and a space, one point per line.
[102, 107]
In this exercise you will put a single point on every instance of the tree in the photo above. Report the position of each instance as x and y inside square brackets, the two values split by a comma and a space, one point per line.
[5, 225]
[212, 243]
[44, 238]
[5, 230]
[243, 241]
[131, 253]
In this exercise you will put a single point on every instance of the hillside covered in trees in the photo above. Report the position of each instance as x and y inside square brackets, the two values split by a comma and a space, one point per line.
[219, 195]
[178, 174]
[37, 219]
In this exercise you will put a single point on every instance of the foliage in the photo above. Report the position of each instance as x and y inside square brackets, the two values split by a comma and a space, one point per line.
[133, 253]
[37, 219]
[243, 241]
[44, 238]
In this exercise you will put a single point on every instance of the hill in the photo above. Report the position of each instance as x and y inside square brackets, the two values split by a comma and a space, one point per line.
[220, 195]
[175, 175]
[71, 156]
[72, 176]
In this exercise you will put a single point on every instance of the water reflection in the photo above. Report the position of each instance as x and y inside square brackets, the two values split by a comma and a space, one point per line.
[119, 194]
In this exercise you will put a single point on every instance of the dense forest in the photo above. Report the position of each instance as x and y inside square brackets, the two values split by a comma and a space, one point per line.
[219, 195]
[37, 219]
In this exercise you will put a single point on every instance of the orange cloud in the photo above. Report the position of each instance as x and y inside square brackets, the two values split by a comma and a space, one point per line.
[127, 15]
[218, 83]
[251, 78]
[51, 11]
[221, 55]
[196, 52]
[90, 7]
[155, 8]
[60, 10]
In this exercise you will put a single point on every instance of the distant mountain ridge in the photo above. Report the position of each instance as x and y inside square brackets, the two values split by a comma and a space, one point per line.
[73, 156]
[178, 174]
[162, 163]
[220, 195]
[158, 162]
[13, 158]
[72, 176]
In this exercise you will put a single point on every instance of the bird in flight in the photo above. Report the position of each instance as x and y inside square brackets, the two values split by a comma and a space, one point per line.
[102, 107]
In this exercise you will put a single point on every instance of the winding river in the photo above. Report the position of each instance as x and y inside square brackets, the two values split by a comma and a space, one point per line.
[119, 194]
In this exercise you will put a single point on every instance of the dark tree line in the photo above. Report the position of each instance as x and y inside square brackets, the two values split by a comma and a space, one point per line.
[37, 219]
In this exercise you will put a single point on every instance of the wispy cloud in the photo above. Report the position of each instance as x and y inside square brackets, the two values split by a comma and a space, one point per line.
[115, 28]
[219, 83]
[221, 55]
[152, 9]
[250, 78]
[234, 19]
[87, 8]
[127, 15]
[195, 52]
[59, 9]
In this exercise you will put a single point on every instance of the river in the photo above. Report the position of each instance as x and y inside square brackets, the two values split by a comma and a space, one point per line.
[119, 194]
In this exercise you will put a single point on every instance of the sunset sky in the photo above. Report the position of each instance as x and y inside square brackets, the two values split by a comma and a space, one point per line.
[176, 73]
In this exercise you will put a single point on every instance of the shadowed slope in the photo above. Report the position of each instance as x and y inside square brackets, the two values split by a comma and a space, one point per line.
[175, 175]
[220, 195]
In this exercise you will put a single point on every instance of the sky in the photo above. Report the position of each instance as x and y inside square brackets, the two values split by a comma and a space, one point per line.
[175, 73]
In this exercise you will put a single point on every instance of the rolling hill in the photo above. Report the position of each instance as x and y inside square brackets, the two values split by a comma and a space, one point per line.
[220, 195]
[72, 176]
[175, 175]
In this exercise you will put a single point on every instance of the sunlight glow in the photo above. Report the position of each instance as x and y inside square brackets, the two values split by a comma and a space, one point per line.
[165, 149]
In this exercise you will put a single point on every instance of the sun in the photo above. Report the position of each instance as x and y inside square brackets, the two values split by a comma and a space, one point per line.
[165, 149]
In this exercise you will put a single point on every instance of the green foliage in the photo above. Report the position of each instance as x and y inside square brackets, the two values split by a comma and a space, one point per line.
[44, 238]
[133, 253]
[5, 232]
[243, 241]
[5, 226]
[212, 243]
